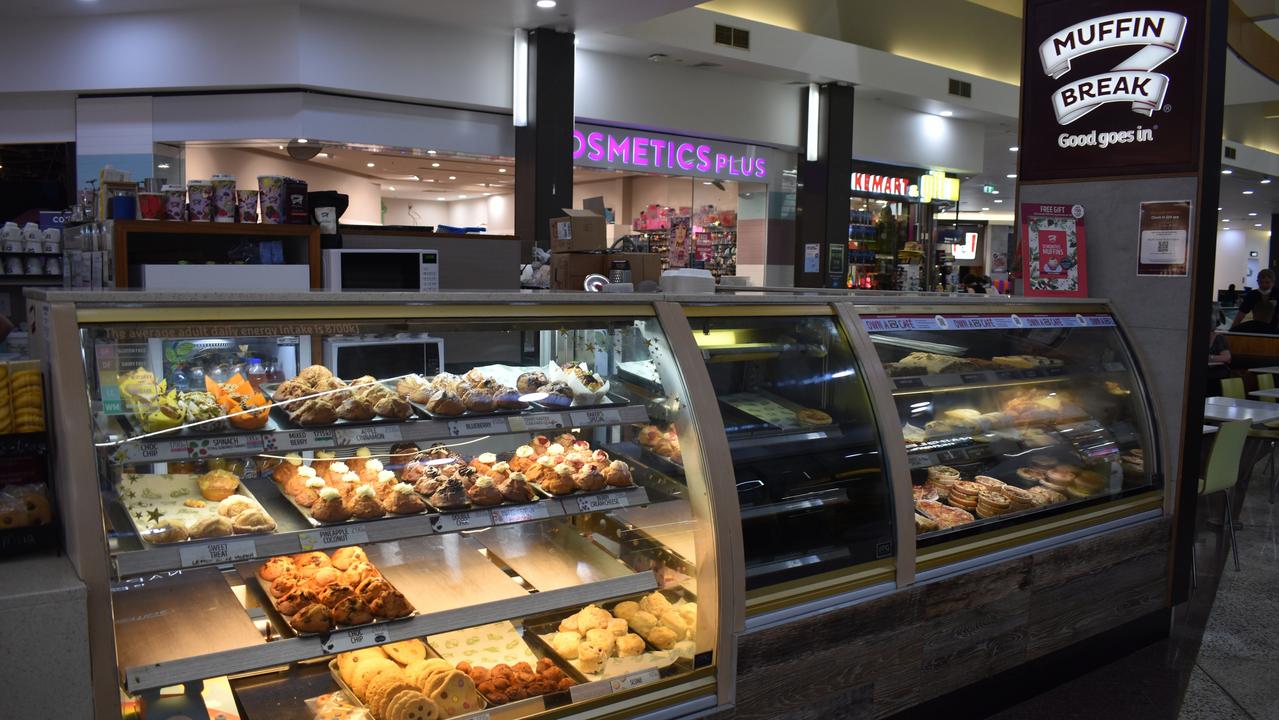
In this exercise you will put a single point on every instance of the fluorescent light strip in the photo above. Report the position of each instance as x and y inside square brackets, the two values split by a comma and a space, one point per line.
[519, 88]
[814, 108]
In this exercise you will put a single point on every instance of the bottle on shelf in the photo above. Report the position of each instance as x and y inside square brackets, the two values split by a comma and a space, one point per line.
[256, 373]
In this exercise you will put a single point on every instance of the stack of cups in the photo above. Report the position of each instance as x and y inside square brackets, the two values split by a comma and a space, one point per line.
[247, 200]
[200, 200]
[175, 202]
[224, 201]
[271, 195]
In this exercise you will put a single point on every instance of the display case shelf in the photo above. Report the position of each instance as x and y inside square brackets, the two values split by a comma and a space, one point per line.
[176, 446]
[980, 379]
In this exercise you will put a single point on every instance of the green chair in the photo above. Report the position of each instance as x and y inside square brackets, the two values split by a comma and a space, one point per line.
[1233, 388]
[1266, 381]
[1222, 474]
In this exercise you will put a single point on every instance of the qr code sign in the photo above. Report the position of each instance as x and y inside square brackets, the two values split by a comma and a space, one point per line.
[1163, 246]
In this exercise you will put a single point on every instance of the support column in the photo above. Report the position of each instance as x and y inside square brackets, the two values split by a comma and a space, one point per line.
[821, 212]
[544, 146]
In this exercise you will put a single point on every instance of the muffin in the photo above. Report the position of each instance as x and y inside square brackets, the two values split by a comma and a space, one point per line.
[328, 506]
[363, 504]
[484, 492]
[403, 501]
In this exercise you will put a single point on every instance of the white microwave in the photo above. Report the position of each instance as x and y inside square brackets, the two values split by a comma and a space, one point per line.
[384, 356]
[388, 270]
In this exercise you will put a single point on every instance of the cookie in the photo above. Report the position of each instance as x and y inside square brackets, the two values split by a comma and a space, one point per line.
[419, 673]
[348, 661]
[413, 705]
[454, 692]
[406, 651]
[369, 669]
[385, 693]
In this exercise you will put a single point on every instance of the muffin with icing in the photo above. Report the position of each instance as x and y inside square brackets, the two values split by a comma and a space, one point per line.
[328, 506]
[450, 496]
[560, 480]
[402, 500]
[618, 474]
[363, 504]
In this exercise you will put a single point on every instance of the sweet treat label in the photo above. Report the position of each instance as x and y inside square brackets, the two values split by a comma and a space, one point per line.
[301, 439]
[367, 435]
[327, 537]
[355, 638]
[522, 513]
[452, 522]
[218, 553]
[521, 423]
[596, 416]
[477, 426]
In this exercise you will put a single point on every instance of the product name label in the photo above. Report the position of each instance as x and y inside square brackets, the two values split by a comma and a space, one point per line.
[332, 537]
[1158, 35]
[219, 553]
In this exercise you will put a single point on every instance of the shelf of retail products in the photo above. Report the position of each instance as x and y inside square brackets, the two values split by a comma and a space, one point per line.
[175, 446]
[294, 534]
[167, 638]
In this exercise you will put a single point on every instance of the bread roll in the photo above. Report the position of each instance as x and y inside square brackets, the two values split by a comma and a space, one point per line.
[566, 644]
[602, 639]
[629, 645]
[626, 609]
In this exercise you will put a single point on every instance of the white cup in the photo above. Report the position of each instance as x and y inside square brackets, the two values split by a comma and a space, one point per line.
[10, 238]
[53, 240]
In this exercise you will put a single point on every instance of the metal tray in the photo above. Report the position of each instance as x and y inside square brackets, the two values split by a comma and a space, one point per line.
[357, 702]
[249, 571]
[281, 416]
[139, 506]
[305, 512]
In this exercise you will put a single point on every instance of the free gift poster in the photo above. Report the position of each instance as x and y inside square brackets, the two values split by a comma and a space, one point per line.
[1053, 257]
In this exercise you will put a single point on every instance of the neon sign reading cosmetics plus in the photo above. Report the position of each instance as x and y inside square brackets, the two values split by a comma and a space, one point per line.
[644, 152]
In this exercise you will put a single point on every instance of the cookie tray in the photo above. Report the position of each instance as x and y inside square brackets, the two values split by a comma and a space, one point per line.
[483, 712]
[249, 572]
[179, 481]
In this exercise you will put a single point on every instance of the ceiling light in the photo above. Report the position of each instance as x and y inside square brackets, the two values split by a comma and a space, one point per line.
[1011, 176]
[1247, 192]
[985, 209]
[323, 155]
[704, 182]
[1265, 181]
[430, 152]
[429, 180]
[487, 194]
[546, 4]
[501, 170]
[1227, 171]
[945, 113]
[370, 164]
[303, 141]
[1218, 209]
[435, 164]
[1014, 148]
[1253, 214]
[165, 166]
[391, 188]
[1256, 224]
[1225, 220]
[452, 177]
[461, 197]
[280, 146]
[998, 201]
[994, 192]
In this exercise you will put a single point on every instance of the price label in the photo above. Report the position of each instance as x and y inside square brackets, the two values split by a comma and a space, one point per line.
[367, 435]
[590, 690]
[333, 537]
[605, 501]
[634, 680]
[909, 382]
[596, 416]
[303, 439]
[521, 513]
[477, 426]
[537, 422]
[970, 378]
[452, 522]
[223, 445]
[219, 553]
[355, 638]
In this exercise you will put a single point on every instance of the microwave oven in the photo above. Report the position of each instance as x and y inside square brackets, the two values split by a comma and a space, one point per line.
[390, 270]
[384, 356]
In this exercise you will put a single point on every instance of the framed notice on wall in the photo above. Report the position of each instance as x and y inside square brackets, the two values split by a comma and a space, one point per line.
[1053, 251]
[1164, 235]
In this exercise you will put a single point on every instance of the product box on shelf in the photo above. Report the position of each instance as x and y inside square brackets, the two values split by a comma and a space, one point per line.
[644, 266]
[569, 269]
[577, 231]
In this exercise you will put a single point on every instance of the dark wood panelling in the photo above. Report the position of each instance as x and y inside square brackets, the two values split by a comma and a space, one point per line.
[889, 654]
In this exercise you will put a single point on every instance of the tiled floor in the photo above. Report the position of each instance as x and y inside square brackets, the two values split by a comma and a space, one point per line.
[1221, 661]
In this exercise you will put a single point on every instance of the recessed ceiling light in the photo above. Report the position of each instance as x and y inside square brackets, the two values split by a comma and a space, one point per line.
[705, 182]
[1247, 192]
[487, 194]
[461, 197]
[1218, 209]
[1256, 224]
[452, 177]
[998, 201]
[1225, 220]
[323, 155]
[370, 164]
[1265, 181]
[430, 152]
[546, 4]
[1252, 214]
[391, 188]
[1011, 176]
[985, 209]
[1014, 148]
[945, 113]
[165, 166]
[429, 180]
[502, 170]
[435, 164]
[994, 192]
[303, 141]
[1227, 171]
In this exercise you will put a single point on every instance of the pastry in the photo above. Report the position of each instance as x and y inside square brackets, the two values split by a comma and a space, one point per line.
[403, 501]
[1045, 495]
[507, 398]
[313, 374]
[309, 493]
[167, 531]
[403, 452]
[590, 659]
[990, 504]
[369, 470]
[328, 507]
[343, 558]
[813, 418]
[445, 402]
[390, 604]
[446, 381]
[323, 459]
[217, 484]
[384, 483]
[372, 588]
[484, 492]
[415, 470]
[589, 479]
[1018, 498]
[361, 458]
[945, 516]
[523, 458]
[558, 395]
[924, 492]
[465, 475]
[290, 603]
[989, 483]
[450, 496]
[347, 484]
[314, 618]
[355, 410]
[393, 407]
[630, 645]
[454, 692]
[1031, 476]
[924, 524]
[291, 390]
[316, 411]
[618, 474]
[275, 567]
[429, 483]
[308, 563]
[334, 389]
[499, 471]
[515, 488]
[211, 526]
[253, 520]
[287, 468]
[483, 462]
[352, 610]
[406, 651]
[358, 572]
[373, 394]
[283, 585]
[543, 468]
[531, 382]
[1043, 462]
[559, 481]
[626, 609]
[363, 503]
[414, 705]
[409, 384]
[478, 400]
[1089, 482]
[234, 505]
[332, 592]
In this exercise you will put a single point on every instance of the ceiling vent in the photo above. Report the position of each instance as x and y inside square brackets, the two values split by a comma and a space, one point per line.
[961, 88]
[732, 37]
[705, 65]
[1230, 152]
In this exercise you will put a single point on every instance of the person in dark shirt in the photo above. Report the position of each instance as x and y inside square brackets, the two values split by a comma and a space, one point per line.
[1230, 296]
[1262, 304]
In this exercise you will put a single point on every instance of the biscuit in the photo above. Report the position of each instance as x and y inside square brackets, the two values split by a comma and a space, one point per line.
[413, 705]
[455, 693]
[369, 669]
[406, 651]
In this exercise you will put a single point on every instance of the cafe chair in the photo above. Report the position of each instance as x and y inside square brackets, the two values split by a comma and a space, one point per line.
[1266, 381]
[1220, 477]
[1233, 388]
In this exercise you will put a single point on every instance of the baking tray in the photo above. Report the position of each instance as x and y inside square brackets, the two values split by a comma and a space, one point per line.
[167, 504]
[281, 416]
[771, 409]
[249, 571]
[133, 431]
[357, 702]
[305, 512]
[609, 399]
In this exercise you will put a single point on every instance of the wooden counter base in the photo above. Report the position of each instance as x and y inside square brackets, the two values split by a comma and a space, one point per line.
[883, 656]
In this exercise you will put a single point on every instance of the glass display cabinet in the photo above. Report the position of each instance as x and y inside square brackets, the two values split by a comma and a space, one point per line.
[516, 534]
[1014, 419]
[813, 493]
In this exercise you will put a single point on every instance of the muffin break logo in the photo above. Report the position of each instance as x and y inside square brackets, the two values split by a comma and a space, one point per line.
[1158, 35]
